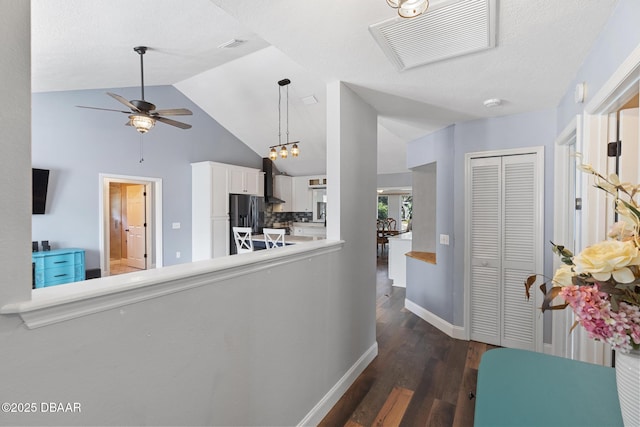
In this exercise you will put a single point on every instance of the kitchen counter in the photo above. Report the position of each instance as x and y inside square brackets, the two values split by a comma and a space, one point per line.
[289, 239]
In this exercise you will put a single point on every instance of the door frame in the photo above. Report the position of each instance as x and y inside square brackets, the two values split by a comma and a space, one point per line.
[539, 152]
[153, 187]
[562, 343]
[621, 86]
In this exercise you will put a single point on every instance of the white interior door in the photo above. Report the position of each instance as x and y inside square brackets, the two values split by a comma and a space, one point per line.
[630, 153]
[486, 240]
[136, 230]
[520, 236]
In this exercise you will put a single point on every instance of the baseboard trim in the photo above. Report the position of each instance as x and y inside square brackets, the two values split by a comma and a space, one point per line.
[325, 404]
[453, 331]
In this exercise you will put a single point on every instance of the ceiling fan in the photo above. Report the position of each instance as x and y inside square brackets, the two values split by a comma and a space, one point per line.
[143, 114]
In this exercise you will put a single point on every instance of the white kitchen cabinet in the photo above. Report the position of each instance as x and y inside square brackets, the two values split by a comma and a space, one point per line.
[309, 229]
[398, 246]
[301, 194]
[211, 184]
[282, 189]
[245, 181]
[209, 210]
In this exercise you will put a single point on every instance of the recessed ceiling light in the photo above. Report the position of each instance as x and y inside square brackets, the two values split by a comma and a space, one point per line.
[493, 102]
[231, 43]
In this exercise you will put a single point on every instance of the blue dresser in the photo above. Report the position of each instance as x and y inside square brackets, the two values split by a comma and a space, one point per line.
[58, 266]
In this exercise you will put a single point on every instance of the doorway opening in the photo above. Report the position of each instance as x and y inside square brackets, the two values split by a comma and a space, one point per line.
[130, 224]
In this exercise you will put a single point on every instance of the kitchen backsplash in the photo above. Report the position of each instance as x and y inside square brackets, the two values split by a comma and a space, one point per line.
[285, 219]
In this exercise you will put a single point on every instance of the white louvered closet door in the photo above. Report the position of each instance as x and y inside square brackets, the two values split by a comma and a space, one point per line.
[504, 246]
[486, 224]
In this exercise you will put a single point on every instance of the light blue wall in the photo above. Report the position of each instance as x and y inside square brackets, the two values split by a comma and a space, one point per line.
[615, 43]
[440, 288]
[78, 144]
[516, 131]
[429, 285]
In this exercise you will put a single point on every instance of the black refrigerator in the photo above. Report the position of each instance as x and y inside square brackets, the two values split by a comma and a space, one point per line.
[245, 211]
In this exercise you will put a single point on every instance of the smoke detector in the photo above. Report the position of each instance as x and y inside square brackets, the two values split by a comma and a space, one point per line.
[493, 102]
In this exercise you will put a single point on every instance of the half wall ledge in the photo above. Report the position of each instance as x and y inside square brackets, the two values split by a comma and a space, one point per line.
[60, 303]
[428, 257]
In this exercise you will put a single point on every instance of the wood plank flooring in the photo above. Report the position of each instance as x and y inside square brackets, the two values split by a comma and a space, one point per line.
[421, 377]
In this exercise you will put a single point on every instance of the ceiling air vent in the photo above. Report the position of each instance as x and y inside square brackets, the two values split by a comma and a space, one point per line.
[445, 31]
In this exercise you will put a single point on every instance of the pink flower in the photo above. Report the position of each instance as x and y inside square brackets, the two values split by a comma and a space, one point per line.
[593, 311]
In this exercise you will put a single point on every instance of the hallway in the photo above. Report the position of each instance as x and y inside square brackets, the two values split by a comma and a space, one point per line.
[421, 377]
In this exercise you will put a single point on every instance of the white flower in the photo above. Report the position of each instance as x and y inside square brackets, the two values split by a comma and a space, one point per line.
[563, 276]
[608, 258]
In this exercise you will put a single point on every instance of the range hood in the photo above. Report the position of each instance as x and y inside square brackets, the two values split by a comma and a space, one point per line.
[270, 171]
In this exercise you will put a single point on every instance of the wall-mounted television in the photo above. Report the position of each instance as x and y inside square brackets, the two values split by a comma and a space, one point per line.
[40, 182]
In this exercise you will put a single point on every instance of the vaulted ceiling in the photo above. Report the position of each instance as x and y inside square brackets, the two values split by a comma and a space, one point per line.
[87, 44]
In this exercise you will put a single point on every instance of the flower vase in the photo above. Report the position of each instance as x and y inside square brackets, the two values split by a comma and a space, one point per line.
[628, 381]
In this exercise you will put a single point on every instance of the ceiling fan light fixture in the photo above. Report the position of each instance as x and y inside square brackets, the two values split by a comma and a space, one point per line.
[141, 122]
[409, 8]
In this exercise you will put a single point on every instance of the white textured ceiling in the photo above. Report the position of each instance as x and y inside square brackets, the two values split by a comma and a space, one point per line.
[82, 44]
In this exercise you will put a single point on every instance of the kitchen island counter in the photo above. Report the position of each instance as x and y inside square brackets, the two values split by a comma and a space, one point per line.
[289, 239]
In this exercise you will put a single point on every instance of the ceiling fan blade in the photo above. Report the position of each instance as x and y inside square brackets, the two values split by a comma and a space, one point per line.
[123, 101]
[173, 112]
[104, 109]
[173, 122]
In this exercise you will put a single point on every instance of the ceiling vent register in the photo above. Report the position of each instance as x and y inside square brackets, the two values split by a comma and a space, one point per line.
[452, 29]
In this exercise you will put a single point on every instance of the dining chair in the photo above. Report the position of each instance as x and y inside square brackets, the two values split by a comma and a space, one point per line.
[242, 237]
[273, 237]
[391, 224]
[381, 238]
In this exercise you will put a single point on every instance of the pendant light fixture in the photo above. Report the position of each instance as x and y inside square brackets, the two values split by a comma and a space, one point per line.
[282, 151]
[409, 8]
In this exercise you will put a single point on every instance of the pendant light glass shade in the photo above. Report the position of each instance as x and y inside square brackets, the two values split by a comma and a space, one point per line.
[273, 154]
[409, 8]
[283, 152]
[141, 122]
[295, 151]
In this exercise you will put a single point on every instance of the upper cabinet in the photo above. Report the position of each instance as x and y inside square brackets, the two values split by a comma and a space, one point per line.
[245, 180]
[301, 194]
[282, 189]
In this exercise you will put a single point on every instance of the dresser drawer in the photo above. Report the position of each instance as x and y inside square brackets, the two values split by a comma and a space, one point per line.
[61, 273]
[59, 260]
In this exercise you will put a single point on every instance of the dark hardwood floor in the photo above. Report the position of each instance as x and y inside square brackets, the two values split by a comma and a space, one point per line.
[421, 376]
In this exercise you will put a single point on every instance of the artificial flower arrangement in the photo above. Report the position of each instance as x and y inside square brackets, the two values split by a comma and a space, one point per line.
[601, 283]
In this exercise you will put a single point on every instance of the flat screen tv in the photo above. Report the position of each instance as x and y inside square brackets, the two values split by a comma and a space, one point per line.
[40, 183]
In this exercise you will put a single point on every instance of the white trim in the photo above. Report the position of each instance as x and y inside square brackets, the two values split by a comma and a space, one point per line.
[153, 186]
[616, 90]
[327, 402]
[560, 341]
[59, 303]
[539, 152]
[548, 349]
[453, 331]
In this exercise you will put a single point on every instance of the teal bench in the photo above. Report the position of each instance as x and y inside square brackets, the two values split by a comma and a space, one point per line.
[524, 388]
